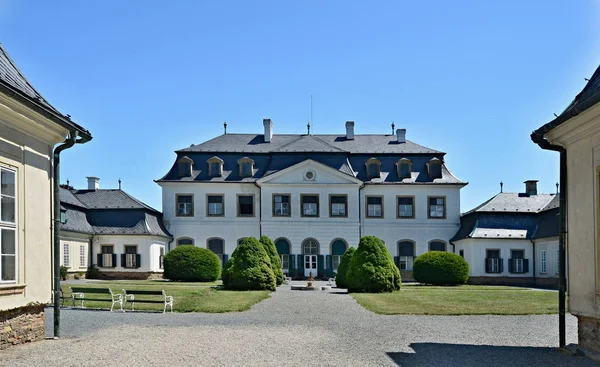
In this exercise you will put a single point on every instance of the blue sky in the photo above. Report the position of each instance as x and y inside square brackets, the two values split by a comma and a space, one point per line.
[471, 78]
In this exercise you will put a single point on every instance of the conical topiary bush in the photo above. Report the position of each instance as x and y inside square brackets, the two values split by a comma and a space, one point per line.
[249, 268]
[342, 271]
[372, 269]
[271, 250]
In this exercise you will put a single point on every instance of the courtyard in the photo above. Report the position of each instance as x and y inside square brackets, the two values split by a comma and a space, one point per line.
[298, 328]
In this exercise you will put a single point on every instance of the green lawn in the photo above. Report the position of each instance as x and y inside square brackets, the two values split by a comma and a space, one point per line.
[188, 297]
[460, 300]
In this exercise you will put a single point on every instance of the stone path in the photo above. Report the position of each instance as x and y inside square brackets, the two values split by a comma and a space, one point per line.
[298, 328]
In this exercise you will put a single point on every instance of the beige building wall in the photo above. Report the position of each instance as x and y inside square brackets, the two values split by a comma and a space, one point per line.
[26, 143]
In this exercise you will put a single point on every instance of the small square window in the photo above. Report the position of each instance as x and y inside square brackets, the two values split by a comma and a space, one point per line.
[215, 205]
[310, 205]
[281, 205]
[437, 207]
[375, 207]
[245, 206]
[338, 205]
[185, 206]
[406, 207]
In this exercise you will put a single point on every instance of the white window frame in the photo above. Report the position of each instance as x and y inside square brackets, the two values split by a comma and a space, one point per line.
[281, 208]
[130, 258]
[543, 262]
[66, 255]
[406, 262]
[10, 226]
[495, 268]
[287, 260]
[335, 261]
[82, 257]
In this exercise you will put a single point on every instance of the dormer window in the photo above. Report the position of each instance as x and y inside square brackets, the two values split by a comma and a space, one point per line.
[246, 167]
[404, 166]
[185, 166]
[373, 168]
[434, 168]
[215, 167]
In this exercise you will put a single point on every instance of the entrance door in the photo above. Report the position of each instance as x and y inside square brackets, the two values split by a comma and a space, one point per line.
[310, 265]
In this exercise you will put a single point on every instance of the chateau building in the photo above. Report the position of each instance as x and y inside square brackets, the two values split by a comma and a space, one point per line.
[313, 195]
[112, 230]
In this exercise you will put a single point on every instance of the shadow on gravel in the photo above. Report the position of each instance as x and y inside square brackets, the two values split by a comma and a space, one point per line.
[434, 354]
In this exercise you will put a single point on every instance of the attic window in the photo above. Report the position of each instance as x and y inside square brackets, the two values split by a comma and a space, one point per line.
[215, 167]
[63, 216]
[373, 168]
[185, 166]
[434, 168]
[404, 166]
[246, 166]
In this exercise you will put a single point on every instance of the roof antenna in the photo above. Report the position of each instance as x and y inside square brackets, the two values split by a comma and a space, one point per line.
[393, 128]
[557, 185]
[67, 183]
[225, 126]
[501, 185]
[308, 126]
[119, 183]
[555, 115]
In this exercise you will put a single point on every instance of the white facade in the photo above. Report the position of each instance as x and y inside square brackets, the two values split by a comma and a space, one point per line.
[74, 251]
[149, 248]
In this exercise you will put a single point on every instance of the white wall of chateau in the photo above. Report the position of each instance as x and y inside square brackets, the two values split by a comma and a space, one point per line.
[475, 250]
[550, 245]
[147, 246]
[75, 243]
[581, 138]
[26, 143]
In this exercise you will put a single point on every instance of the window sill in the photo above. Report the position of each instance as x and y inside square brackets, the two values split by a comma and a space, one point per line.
[12, 289]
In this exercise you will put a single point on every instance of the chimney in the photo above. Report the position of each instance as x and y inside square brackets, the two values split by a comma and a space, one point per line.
[531, 187]
[349, 130]
[93, 183]
[401, 135]
[268, 130]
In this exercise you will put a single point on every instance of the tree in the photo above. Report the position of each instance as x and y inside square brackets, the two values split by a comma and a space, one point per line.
[271, 250]
[249, 268]
[342, 271]
[191, 264]
[372, 269]
[440, 268]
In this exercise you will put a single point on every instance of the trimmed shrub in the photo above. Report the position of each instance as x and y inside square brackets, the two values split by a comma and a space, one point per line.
[271, 250]
[191, 264]
[440, 268]
[342, 271]
[249, 268]
[372, 268]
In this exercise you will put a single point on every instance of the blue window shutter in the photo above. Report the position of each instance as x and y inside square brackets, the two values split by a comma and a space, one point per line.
[329, 262]
[526, 265]
[99, 260]
[138, 260]
[300, 265]
[123, 261]
[114, 260]
[320, 265]
[292, 262]
[225, 259]
[397, 261]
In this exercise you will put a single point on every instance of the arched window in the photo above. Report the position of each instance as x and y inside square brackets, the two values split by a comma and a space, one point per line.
[246, 167]
[240, 240]
[216, 245]
[310, 247]
[185, 166]
[373, 167]
[404, 167]
[406, 254]
[338, 247]
[215, 167]
[283, 249]
[437, 246]
[434, 168]
[185, 241]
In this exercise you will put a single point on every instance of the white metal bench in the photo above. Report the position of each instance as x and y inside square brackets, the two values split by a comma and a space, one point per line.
[287, 280]
[331, 282]
[79, 294]
[165, 300]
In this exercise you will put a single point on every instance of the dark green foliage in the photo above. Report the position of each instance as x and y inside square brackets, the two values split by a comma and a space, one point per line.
[92, 272]
[271, 250]
[63, 272]
[440, 268]
[372, 268]
[249, 268]
[342, 271]
[191, 264]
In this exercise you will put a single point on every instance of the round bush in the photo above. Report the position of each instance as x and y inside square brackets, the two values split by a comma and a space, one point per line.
[271, 250]
[440, 268]
[372, 269]
[342, 271]
[249, 268]
[191, 264]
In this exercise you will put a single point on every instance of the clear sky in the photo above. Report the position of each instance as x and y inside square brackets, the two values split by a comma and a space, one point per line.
[471, 78]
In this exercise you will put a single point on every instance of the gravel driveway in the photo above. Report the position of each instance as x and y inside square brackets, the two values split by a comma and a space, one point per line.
[295, 328]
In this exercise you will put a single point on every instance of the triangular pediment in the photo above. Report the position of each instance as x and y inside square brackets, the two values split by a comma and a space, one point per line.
[309, 172]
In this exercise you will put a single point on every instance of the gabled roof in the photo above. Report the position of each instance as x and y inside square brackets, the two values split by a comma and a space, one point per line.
[588, 97]
[109, 199]
[296, 143]
[14, 84]
[510, 202]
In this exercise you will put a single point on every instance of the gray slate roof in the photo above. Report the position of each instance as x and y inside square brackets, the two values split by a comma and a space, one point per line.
[288, 143]
[12, 80]
[512, 216]
[109, 211]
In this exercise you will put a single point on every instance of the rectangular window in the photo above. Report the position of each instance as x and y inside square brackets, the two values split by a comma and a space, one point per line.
[335, 261]
[406, 262]
[285, 261]
[245, 205]
[461, 253]
[543, 262]
[8, 226]
[310, 205]
[214, 205]
[185, 205]
[63, 216]
[82, 261]
[66, 255]
[493, 263]
[215, 169]
[338, 205]
[8, 207]
[8, 263]
[281, 205]
[375, 206]
[161, 257]
[406, 205]
[437, 207]
[107, 256]
[131, 256]
[246, 169]
[517, 261]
